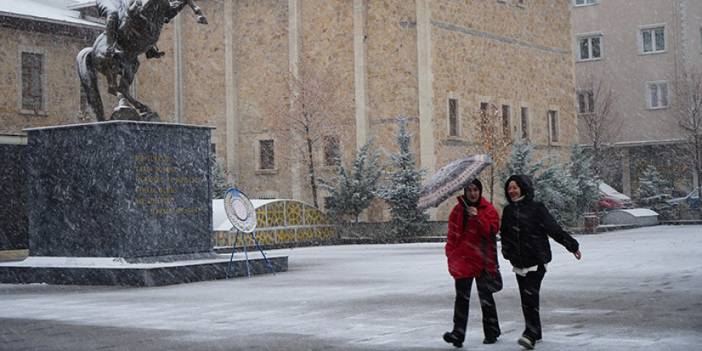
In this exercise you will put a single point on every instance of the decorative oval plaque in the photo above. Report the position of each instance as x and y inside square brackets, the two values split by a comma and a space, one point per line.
[240, 210]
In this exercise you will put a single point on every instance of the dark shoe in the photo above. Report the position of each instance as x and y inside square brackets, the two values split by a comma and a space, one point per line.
[451, 338]
[526, 342]
[490, 340]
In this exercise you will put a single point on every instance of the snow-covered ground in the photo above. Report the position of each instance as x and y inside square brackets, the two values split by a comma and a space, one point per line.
[633, 290]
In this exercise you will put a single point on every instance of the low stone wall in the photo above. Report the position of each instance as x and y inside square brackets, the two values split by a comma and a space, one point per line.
[381, 232]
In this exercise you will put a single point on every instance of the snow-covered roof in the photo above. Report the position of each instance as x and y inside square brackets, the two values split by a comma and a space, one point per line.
[79, 4]
[613, 193]
[638, 212]
[54, 11]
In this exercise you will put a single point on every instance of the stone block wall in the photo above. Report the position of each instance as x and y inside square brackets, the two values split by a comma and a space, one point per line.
[481, 51]
[60, 84]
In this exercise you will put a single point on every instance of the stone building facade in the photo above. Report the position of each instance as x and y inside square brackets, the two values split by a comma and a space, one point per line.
[432, 61]
[39, 85]
[423, 60]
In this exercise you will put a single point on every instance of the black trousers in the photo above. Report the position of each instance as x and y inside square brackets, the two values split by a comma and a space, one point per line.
[491, 326]
[529, 287]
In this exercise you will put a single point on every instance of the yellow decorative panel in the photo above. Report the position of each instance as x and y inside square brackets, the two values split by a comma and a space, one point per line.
[294, 213]
[276, 214]
[224, 238]
[327, 233]
[266, 238]
[261, 221]
[286, 236]
[305, 234]
[245, 239]
[314, 216]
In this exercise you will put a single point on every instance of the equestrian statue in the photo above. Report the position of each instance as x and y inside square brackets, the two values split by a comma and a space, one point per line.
[132, 28]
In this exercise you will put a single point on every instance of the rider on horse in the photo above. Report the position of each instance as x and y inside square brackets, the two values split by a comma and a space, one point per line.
[114, 12]
[131, 29]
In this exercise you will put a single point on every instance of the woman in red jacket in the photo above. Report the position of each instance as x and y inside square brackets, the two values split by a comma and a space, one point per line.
[470, 249]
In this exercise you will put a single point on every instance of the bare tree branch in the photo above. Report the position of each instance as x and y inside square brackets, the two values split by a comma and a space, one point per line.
[495, 139]
[307, 118]
[688, 111]
[596, 102]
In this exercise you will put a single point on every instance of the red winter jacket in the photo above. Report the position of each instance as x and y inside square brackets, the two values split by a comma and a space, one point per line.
[463, 242]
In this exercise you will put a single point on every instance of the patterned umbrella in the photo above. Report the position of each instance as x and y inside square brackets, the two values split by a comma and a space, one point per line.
[451, 178]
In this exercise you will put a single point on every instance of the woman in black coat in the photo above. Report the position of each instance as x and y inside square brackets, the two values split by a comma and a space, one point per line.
[526, 226]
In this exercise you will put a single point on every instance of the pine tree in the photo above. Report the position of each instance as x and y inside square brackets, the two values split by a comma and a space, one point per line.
[557, 189]
[586, 182]
[521, 160]
[218, 181]
[649, 182]
[402, 192]
[351, 193]
[553, 184]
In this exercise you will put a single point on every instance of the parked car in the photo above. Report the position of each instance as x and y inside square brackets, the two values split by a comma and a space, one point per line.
[655, 199]
[692, 199]
[612, 199]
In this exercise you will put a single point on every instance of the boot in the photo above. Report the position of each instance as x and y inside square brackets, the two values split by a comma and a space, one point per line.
[452, 338]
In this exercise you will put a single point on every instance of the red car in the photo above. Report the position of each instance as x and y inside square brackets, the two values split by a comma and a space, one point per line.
[611, 199]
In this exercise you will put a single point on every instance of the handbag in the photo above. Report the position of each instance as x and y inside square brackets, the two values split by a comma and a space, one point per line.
[493, 283]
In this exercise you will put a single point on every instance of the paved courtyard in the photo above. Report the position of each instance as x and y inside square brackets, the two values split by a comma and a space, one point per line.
[635, 289]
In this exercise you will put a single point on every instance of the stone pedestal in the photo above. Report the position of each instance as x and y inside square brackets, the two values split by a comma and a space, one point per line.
[13, 215]
[133, 193]
[119, 189]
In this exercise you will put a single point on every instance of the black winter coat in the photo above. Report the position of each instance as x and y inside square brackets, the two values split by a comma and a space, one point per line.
[526, 226]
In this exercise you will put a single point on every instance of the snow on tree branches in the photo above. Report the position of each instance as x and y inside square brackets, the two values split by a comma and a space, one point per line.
[352, 192]
[402, 191]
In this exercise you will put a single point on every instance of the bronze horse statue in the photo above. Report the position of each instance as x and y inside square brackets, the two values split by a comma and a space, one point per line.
[137, 29]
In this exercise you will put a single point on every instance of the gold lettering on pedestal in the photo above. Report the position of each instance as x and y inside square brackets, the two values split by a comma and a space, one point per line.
[158, 181]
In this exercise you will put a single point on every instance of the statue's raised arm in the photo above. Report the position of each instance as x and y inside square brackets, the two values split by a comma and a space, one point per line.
[132, 28]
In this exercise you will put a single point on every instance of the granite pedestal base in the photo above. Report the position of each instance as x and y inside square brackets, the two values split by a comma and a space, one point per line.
[121, 203]
[117, 271]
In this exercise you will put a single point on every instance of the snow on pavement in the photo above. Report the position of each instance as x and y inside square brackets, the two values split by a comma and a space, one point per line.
[632, 289]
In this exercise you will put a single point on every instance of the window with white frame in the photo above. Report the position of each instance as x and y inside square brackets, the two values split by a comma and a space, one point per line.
[657, 94]
[330, 150]
[554, 136]
[590, 47]
[586, 102]
[585, 2]
[32, 89]
[653, 39]
[453, 117]
[524, 123]
[266, 157]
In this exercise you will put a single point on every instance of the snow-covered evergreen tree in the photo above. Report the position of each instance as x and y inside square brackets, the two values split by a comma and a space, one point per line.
[352, 192]
[586, 182]
[218, 181]
[553, 184]
[557, 189]
[402, 192]
[521, 160]
[649, 182]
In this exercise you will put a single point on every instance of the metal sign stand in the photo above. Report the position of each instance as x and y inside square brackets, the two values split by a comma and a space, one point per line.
[246, 254]
[242, 215]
